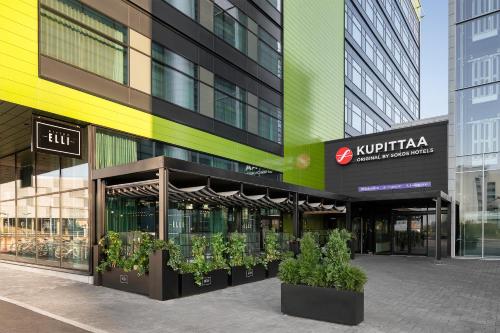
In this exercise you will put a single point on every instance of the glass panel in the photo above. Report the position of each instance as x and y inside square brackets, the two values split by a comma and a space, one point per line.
[7, 228]
[7, 178]
[25, 176]
[48, 240]
[467, 9]
[382, 236]
[469, 194]
[418, 235]
[26, 247]
[492, 216]
[75, 230]
[174, 87]
[114, 149]
[74, 173]
[401, 234]
[47, 173]
[228, 109]
[188, 7]
[229, 29]
[84, 41]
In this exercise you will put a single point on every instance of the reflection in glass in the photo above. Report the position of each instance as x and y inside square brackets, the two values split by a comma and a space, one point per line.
[48, 241]
[25, 177]
[47, 173]
[74, 173]
[26, 245]
[7, 228]
[75, 230]
[7, 178]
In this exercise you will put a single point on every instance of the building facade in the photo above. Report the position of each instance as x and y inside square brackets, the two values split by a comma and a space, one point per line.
[382, 64]
[474, 117]
[89, 85]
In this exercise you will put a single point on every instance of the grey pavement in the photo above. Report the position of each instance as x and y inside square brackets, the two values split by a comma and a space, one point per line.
[403, 294]
[14, 318]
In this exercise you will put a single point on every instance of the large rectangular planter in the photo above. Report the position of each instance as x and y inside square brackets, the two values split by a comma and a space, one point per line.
[213, 280]
[325, 304]
[117, 278]
[240, 274]
[273, 268]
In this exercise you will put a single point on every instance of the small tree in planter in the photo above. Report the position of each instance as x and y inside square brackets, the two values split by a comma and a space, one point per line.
[244, 268]
[272, 253]
[323, 286]
[201, 274]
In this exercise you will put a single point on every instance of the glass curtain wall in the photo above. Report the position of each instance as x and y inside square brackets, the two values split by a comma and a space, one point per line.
[74, 33]
[477, 126]
[44, 209]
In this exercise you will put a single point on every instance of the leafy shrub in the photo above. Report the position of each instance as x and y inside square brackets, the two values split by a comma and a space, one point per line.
[330, 268]
[199, 266]
[289, 271]
[271, 248]
[351, 278]
[112, 248]
[237, 251]
[219, 250]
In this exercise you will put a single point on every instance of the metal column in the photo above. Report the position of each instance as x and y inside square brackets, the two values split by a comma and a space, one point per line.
[438, 228]
[163, 205]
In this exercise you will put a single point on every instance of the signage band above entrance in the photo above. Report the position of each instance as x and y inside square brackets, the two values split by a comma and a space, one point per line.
[388, 187]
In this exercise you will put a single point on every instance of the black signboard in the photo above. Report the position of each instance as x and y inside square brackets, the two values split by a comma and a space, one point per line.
[57, 138]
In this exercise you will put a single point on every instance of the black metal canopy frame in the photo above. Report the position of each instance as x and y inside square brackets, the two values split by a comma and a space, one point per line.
[204, 194]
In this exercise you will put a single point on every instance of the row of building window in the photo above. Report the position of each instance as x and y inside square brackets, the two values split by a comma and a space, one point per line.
[467, 9]
[232, 25]
[82, 37]
[372, 89]
[411, 17]
[404, 30]
[392, 42]
[378, 57]
[359, 120]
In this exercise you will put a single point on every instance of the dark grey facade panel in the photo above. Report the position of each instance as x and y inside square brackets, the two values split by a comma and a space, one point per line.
[79, 79]
[269, 9]
[422, 168]
[254, 9]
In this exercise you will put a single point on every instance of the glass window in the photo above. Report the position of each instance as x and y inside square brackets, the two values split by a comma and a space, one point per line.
[25, 175]
[174, 78]
[356, 118]
[8, 228]
[230, 103]
[75, 230]
[369, 87]
[7, 178]
[229, 29]
[75, 34]
[47, 173]
[269, 121]
[188, 7]
[269, 53]
[356, 74]
[467, 9]
[48, 224]
[25, 233]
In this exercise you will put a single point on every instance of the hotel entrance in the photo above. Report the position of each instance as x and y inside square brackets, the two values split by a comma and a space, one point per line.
[399, 228]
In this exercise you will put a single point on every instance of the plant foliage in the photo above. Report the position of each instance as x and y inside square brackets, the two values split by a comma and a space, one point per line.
[328, 268]
[237, 251]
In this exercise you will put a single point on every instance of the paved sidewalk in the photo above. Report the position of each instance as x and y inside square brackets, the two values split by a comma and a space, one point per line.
[16, 319]
[402, 295]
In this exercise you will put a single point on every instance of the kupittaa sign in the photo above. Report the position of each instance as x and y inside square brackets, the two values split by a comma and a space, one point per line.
[57, 138]
[384, 150]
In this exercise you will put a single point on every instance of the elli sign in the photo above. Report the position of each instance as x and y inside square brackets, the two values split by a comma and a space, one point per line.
[384, 150]
[57, 138]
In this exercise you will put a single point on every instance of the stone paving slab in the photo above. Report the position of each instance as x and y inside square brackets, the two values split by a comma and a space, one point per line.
[403, 294]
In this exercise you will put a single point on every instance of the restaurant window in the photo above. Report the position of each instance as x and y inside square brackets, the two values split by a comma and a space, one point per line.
[73, 33]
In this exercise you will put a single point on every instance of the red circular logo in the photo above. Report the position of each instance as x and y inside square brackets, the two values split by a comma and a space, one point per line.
[343, 156]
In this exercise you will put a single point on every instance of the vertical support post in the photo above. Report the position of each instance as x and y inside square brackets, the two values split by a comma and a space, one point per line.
[348, 222]
[99, 227]
[163, 205]
[448, 225]
[296, 215]
[438, 228]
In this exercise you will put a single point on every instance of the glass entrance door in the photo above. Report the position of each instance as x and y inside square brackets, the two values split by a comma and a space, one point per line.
[410, 234]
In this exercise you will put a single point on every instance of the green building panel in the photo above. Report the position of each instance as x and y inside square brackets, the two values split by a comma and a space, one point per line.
[313, 86]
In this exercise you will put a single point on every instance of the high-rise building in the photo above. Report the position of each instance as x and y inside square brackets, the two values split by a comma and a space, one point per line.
[382, 64]
[475, 125]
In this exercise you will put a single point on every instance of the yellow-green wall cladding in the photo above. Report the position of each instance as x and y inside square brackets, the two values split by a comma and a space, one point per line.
[313, 81]
[314, 86]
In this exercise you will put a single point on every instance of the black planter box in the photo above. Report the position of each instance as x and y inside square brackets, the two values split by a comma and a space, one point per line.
[325, 304]
[214, 280]
[117, 278]
[272, 268]
[240, 275]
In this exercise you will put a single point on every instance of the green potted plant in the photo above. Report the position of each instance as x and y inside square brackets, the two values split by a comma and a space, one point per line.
[272, 254]
[244, 268]
[322, 285]
[202, 274]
